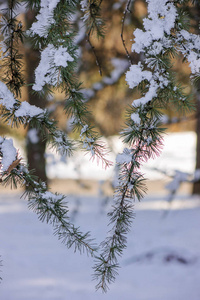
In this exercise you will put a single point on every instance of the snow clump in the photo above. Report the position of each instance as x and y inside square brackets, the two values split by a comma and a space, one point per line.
[47, 71]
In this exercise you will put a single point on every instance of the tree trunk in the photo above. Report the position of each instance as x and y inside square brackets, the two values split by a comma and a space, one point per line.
[196, 185]
[35, 143]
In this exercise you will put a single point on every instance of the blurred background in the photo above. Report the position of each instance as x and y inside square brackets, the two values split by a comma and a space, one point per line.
[107, 96]
[162, 261]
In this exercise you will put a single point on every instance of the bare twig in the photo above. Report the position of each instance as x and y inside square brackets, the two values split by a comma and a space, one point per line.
[95, 54]
[127, 10]
[90, 43]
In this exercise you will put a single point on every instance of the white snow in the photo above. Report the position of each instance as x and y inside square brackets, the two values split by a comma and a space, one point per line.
[47, 71]
[135, 75]
[28, 110]
[161, 19]
[61, 57]
[9, 153]
[25, 109]
[162, 260]
[44, 18]
[83, 130]
[189, 45]
[194, 62]
[175, 151]
[136, 118]
[150, 94]
[84, 4]
[154, 39]
[125, 157]
[191, 49]
[6, 97]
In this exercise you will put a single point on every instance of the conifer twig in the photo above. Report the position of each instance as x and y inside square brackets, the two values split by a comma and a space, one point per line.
[127, 10]
[93, 10]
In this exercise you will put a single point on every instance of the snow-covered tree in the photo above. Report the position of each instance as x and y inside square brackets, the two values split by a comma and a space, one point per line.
[165, 35]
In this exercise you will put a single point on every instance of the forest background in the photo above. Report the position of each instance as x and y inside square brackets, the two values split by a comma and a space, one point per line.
[102, 67]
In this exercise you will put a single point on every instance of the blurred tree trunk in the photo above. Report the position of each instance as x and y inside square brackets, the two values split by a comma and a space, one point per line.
[35, 143]
[196, 185]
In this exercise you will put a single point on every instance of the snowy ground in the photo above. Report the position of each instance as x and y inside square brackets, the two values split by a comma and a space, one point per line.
[178, 148]
[162, 261]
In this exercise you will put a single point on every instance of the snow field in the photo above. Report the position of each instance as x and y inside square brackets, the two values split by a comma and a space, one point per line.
[162, 260]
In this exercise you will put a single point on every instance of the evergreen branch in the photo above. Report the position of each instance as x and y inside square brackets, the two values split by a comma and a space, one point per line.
[17, 113]
[61, 74]
[93, 18]
[158, 88]
[12, 61]
[54, 211]
[94, 23]
[89, 138]
[131, 186]
[48, 206]
[32, 4]
[106, 265]
[120, 67]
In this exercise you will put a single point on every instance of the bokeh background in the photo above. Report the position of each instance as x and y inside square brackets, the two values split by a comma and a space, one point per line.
[162, 259]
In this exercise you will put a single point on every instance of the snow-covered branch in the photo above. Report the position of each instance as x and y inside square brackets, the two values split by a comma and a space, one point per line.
[57, 69]
[164, 35]
[161, 39]
[50, 207]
